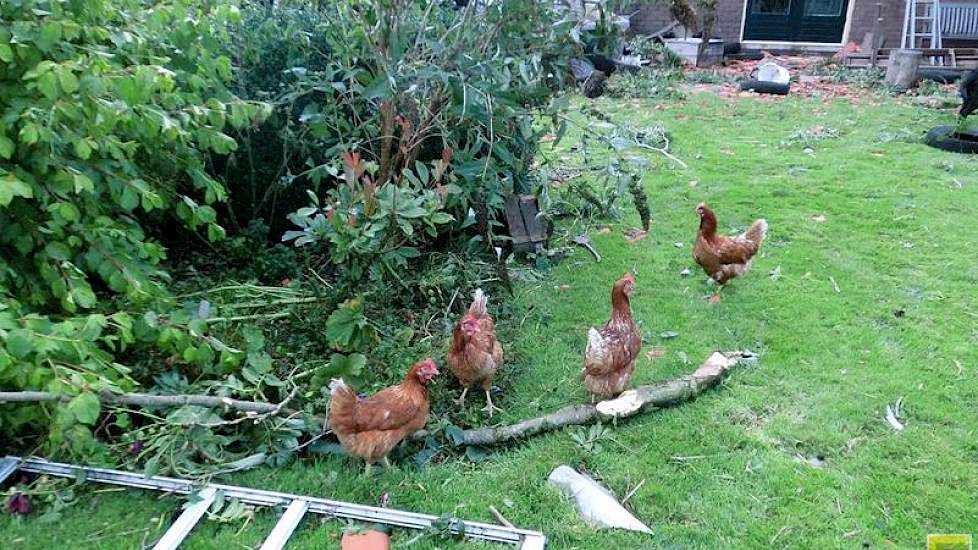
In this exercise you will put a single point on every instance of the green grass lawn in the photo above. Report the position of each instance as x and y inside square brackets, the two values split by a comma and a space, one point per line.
[728, 470]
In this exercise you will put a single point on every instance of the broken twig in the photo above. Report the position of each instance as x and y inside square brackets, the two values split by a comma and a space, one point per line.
[632, 492]
[499, 517]
[585, 241]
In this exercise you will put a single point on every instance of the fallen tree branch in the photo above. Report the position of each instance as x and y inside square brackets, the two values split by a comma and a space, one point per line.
[627, 404]
[149, 400]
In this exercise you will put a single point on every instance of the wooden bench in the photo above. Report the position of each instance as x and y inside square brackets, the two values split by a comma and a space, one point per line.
[963, 58]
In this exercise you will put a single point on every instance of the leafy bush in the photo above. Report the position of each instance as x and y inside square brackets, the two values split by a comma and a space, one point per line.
[390, 132]
[422, 121]
[646, 84]
[108, 109]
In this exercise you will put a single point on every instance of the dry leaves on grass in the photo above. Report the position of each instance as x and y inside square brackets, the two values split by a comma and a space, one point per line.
[635, 234]
[819, 218]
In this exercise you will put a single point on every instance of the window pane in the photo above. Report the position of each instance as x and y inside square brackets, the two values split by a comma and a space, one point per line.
[823, 8]
[770, 7]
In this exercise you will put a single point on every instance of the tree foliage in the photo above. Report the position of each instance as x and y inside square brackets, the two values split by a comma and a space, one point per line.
[422, 120]
[108, 108]
[381, 135]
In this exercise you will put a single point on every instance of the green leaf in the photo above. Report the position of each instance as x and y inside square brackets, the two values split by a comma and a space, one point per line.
[19, 343]
[85, 408]
[260, 361]
[6, 54]
[83, 295]
[83, 183]
[346, 328]
[7, 147]
[378, 89]
[412, 211]
[215, 232]
[29, 134]
[68, 80]
[129, 199]
[48, 84]
[49, 36]
[82, 149]
[68, 211]
[11, 187]
[206, 214]
[346, 365]
[222, 144]
[152, 466]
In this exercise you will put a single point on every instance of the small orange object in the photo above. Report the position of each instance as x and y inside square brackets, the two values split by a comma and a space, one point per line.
[368, 540]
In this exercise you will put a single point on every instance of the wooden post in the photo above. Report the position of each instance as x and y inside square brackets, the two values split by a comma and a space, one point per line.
[903, 69]
[876, 40]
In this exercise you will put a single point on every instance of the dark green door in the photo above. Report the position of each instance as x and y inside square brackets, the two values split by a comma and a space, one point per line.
[796, 20]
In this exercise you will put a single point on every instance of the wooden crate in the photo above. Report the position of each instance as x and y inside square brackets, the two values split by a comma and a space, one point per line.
[526, 227]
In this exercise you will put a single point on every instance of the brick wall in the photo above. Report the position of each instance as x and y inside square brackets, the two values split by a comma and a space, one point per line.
[730, 15]
[864, 13]
[652, 16]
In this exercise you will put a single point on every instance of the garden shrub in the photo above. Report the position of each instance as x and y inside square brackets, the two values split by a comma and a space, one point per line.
[107, 110]
[388, 131]
[421, 121]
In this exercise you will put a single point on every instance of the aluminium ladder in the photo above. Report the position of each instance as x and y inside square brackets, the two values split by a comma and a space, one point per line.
[295, 506]
[922, 24]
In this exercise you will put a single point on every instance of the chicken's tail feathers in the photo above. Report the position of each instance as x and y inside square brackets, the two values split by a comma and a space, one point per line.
[337, 385]
[480, 303]
[342, 408]
[757, 231]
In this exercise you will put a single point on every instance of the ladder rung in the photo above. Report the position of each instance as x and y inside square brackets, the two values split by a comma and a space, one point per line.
[185, 523]
[286, 525]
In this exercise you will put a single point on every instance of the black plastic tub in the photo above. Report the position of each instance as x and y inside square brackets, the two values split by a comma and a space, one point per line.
[764, 87]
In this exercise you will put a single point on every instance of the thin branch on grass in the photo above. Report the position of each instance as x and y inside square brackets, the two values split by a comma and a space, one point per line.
[246, 287]
[256, 316]
[662, 152]
[149, 400]
[257, 417]
[499, 517]
[285, 302]
[632, 492]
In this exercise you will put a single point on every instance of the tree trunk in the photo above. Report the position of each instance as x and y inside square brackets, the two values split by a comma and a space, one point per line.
[903, 69]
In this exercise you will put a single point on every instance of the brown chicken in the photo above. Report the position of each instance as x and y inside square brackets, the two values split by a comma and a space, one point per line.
[370, 427]
[722, 257]
[475, 354]
[609, 359]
